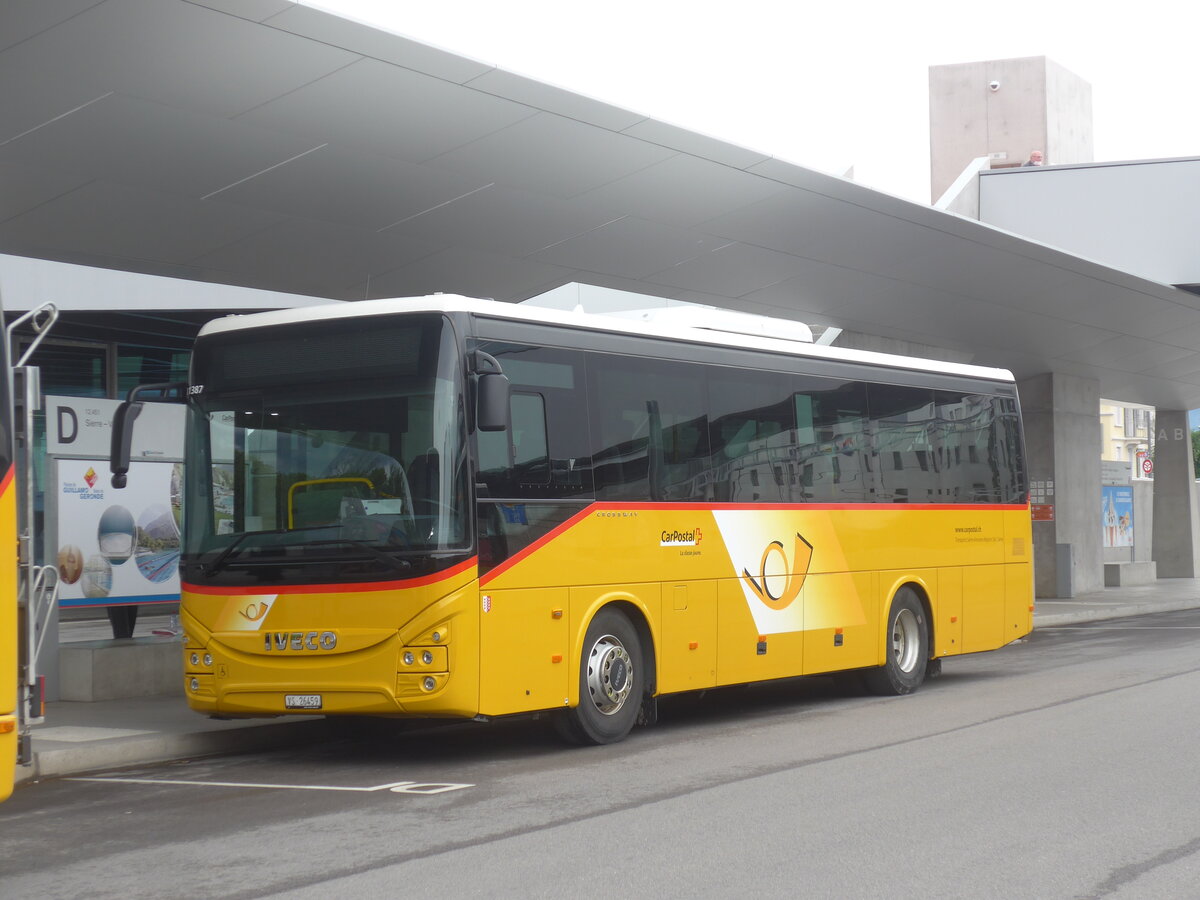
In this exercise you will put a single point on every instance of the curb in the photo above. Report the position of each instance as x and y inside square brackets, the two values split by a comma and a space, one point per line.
[1116, 611]
[153, 748]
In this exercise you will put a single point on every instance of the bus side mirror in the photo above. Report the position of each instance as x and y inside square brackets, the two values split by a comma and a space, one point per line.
[491, 413]
[122, 427]
[122, 441]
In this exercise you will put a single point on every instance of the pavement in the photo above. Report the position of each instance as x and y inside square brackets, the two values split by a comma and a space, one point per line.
[77, 737]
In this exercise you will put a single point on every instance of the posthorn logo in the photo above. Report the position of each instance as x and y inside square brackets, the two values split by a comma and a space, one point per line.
[780, 579]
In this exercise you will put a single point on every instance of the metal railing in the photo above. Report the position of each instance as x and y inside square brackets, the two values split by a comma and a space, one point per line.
[37, 585]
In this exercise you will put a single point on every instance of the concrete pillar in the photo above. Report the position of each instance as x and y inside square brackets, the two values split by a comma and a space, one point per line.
[1176, 519]
[1062, 444]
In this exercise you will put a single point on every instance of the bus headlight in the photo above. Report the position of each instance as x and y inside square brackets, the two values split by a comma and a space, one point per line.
[208, 659]
[194, 684]
[427, 658]
[429, 683]
[195, 659]
[408, 658]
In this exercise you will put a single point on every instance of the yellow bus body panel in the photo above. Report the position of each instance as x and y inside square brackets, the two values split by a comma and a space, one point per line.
[266, 646]
[8, 634]
[724, 595]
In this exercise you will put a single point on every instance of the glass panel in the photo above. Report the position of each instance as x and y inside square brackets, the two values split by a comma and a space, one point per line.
[753, 435]
[649, 427]
[149, 365]
[833, 443]
[529, 437]
[903, 418]
[357, 467]
[977, 444]
[72, 370]
[548, 440]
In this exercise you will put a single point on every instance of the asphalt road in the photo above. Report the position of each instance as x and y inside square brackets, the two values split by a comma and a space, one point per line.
[1062, 766]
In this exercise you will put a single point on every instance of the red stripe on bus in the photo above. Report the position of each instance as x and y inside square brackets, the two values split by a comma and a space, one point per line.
[7, 480]
[708, 507]
[543, 541]
[360, 587]
[692, 507]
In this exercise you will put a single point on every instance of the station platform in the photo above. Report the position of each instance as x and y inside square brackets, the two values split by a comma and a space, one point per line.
[81, 737]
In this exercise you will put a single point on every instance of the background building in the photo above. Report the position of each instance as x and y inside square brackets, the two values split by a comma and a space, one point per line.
[1004, 109]
[1127, 430]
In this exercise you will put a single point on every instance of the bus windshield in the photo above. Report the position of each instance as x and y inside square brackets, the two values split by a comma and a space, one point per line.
[321, 455]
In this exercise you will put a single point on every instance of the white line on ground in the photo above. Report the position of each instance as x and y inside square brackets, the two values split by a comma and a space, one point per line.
[397, 787]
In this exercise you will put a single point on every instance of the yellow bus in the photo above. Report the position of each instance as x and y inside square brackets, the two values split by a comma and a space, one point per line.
[9, 665]
[453, 507]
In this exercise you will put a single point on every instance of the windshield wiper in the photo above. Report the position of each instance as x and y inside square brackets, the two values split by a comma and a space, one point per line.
[218, 562]
[212, 568]
[400, 565]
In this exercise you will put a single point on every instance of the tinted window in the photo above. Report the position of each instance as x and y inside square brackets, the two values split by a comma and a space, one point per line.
[518, 455]
[544, 452]
[903, 420]
[833, 442]
[753, 437]
[649, 429]
[978, 446]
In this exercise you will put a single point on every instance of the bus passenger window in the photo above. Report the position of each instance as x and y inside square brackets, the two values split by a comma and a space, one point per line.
[531, 460]
[832, 441]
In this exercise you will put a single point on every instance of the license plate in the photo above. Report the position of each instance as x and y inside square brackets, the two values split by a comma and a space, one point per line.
[302, 701]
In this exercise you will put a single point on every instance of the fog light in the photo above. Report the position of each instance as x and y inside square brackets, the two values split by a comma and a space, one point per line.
[429, 684]
[195, 659]
[194, 684]
[208, 659]
[427, 658]
[437, 637]
[408, 657]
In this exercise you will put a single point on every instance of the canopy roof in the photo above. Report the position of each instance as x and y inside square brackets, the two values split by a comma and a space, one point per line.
[270, 145]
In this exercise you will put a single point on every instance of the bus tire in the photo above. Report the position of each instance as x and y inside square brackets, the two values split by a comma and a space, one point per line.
[907, 647]
[612, 682]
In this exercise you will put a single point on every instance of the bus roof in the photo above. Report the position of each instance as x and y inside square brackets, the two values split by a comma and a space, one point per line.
[454, 303]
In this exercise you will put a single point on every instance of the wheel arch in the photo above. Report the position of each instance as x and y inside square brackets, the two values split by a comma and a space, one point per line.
[641, 623]
[921, 589]
[584, 721]
[634, 610]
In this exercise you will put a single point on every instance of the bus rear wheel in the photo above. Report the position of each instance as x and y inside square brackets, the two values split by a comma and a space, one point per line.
[907, 647]
[612, 682]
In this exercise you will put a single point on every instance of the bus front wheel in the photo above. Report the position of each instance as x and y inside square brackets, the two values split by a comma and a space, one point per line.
[612, 681]
[907, 647]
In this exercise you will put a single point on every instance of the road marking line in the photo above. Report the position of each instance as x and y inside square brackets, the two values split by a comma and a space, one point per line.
[1098, 627]
[396, 787]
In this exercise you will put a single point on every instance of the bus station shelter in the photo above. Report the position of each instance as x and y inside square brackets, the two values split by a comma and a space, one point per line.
[271, 146]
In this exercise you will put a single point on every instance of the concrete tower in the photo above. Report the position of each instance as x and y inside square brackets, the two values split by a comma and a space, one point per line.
[1005, 109]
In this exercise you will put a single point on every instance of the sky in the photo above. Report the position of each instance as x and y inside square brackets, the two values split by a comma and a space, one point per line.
[832, 86]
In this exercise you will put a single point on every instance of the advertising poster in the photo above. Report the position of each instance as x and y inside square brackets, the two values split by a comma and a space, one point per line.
[1116, 515]
[118, 547]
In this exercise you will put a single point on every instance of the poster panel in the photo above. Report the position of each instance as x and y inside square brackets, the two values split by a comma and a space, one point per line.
[117, 548]
[1116, 515]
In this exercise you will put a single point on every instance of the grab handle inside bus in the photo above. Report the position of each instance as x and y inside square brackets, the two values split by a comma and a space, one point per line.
[123, 419]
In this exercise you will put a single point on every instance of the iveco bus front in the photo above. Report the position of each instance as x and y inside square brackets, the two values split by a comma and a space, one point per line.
[327, 526]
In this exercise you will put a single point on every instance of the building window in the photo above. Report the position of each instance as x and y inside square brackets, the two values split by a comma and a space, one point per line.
[149, 365]
[72, 368]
